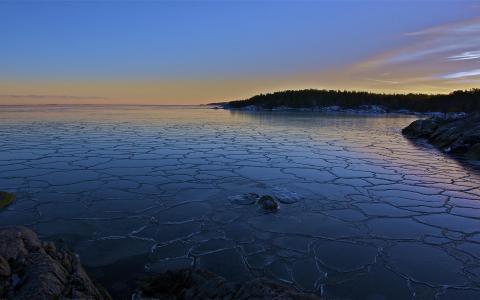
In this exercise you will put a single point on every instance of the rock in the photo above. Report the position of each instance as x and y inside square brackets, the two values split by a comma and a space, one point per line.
[452, 133]
[30, 269]
[5, 273]
[262, 288]
[6, 199]
[4, 268]
[268, 203]
[180, 284]
[198, 284]
[420, 128]
[474, 152]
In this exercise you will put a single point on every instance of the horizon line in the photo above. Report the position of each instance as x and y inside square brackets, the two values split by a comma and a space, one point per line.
[209, 103]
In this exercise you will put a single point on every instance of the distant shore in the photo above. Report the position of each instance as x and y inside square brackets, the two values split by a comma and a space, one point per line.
[333, 101]
[361, 110]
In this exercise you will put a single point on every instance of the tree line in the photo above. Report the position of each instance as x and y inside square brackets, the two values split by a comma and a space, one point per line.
[457, 101]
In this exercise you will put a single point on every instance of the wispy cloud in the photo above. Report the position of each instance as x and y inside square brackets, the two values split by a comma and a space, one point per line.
[437, 42]
[462, 74]
[382, 81]
[437, 59]
[466, 56]
[53, 97]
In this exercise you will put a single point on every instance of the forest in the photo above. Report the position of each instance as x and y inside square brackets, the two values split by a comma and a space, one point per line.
[457, 101]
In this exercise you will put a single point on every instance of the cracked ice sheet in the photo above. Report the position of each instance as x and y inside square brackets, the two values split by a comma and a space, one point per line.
[364, 212]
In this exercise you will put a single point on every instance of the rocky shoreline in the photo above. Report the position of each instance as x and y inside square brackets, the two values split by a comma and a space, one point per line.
[32, 269]
[368, 109]
[451, 133]
[35, 269]
[363, 109]
[456, 133]
[197, 284]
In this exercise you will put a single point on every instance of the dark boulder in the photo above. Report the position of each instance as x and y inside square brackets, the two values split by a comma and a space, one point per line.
[32, 269]
[268, 203]
[452, 135]
[198, 284]
[474, 152]
[262, 288]
[420, 128]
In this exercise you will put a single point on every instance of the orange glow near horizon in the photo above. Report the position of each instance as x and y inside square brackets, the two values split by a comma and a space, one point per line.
[440, 59]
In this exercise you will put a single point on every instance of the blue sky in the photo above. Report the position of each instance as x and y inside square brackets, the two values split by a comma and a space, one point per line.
[185, 41]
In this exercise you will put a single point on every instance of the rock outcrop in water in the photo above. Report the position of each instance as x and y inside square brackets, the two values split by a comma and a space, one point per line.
[32, 269]
[6, 199]
[452, 134]
[199, 284]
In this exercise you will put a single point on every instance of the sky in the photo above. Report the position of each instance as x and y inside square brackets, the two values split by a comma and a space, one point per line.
[192, 52]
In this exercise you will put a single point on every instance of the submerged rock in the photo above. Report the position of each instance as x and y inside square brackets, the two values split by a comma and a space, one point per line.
[453, 134]
[268, 203]
[6, 199]
[286, 196]
[198, 284]
[244, 199]
[31, 269]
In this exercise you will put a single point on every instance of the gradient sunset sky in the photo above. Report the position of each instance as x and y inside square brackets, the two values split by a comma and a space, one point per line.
[183, 52]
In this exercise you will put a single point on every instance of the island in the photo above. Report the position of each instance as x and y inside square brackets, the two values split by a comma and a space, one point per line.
[359, 101]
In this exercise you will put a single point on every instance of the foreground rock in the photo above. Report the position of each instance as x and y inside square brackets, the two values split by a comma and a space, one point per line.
[31, 269]
[452, 134]
[268, 203]
[198, 284]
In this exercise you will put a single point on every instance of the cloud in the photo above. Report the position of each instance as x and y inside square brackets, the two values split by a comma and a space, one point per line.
[382, 81]
[436, 59]
[53, 97]
[462, 74]
[438, 42]
[466, 56]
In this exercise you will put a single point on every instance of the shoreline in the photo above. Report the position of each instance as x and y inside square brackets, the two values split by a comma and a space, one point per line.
[362, 110]
[34, 268]
[454, 135]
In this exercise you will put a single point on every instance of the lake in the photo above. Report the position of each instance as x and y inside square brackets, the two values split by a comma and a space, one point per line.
[364, 212]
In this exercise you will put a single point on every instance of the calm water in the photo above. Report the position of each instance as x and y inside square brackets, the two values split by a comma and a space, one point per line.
[365, 213]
